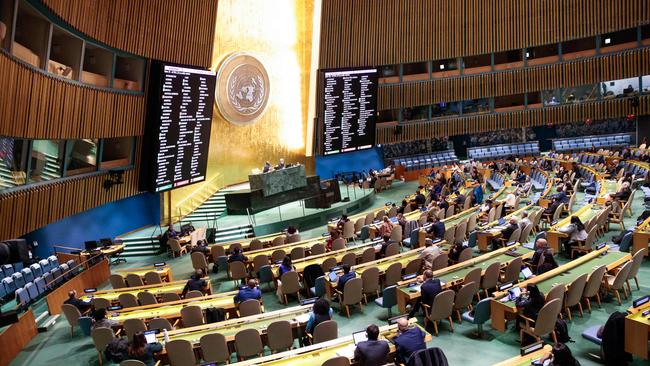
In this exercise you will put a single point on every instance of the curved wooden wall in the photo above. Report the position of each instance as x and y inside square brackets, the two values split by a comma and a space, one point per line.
[179, 31]
[34, 104]
[27, 210]
[538, 78]
[611, 108]
[386, 32]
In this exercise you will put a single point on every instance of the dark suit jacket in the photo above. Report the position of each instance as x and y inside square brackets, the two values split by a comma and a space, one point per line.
[429, 290]
[437, 229]
[372, 353]
[509, 230]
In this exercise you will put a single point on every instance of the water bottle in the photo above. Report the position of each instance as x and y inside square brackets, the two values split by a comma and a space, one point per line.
[166, 335]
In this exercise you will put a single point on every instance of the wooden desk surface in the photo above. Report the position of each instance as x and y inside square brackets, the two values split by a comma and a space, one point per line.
[641, 237]
[156, 289]
[172, 309]
[165, 272]
[306, 244]
[111, 250]
[317, 354]
[637, 329]
[527, 359]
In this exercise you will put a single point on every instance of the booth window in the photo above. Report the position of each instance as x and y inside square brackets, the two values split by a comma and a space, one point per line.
[13, 162]
[81, 156]
[117, 153]
[46, 161]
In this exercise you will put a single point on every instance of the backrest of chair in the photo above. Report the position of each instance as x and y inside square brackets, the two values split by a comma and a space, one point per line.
[352, 291]
[461, 230]
[101, 303]
[280, 335]
[22, 296]
[198, 260]
[237, 270]
[556, 292]
[370, 278]
[278, 255]
[133, 280]
[193, 294]
[515, 235]
[622, 275]
[174, 244]
[491, 276]
[391, 249]
[132, 363]
[250, 307]
[101, 337]
[576, 289]
[471, 222]
[117, 281]
[499, 211]
[169, 296]
[393, 274]
[450, 231]
[379, 215]
[440, 262]
[192, 316]
[255, 244]
[594, 281]
[128, 300]
[133, 326]
[147, 298]
[326, 331]
[396, 234]
[465, 255]
[318, 248]
[338, 244]
[413, 266]
[523, 238]
[512, 270]
[358, 225]
[637, 259]
[293, 239]
[443, 305]
[368, 255]
[348, 230]
[491, 214]
[370, 216]
[328, 263]
[297, 253]
[482, 310]
[450, 211]
[259, 261]
[278, 240]
[337, 361]
[180, 353]
[237, 246]
[349, 258]
[160, 323]
[547, 316]
[392, 212]
[248, 343]
[473, 276]
[558, 211]
[465, 294]
[152, 278]
[217, 251]
[290, 282]
[214, 348]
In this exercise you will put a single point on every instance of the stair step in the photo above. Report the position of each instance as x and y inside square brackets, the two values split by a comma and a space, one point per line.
[220, 239]
[139, 253]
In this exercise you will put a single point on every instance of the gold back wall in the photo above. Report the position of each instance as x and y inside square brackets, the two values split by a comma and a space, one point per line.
[279, 34]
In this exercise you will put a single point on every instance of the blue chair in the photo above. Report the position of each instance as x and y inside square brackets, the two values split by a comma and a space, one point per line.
[36, 270]
[45, 265]
[32, 291]
[388, 299]
[40, 285]
[18, 266]
[71, 263]
[19, 280]
[9, 285]
[54, 261]
[22, 297]
[412, 239]
[56, 273]
[626, 242]
[266, 275]
[222, 264]
[3, 293]
[472, 239]
[27, 275]
[319, 287]
[8, 270]
[49, 278]
[479, 315]
[85, 324]
[591, 334]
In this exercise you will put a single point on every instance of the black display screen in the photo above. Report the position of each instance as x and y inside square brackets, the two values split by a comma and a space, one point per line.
[179, 118]
[350, 110]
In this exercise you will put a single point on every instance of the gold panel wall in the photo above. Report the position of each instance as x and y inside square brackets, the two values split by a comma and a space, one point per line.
[279, 34]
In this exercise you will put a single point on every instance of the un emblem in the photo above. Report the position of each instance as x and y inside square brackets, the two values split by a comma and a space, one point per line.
[242, 89]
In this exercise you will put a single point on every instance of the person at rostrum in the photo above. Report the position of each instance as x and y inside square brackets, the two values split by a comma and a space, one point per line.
[248, 292]
[76, 302]
[372, 352]
[196, 283]
[408, 341]
[429, 289]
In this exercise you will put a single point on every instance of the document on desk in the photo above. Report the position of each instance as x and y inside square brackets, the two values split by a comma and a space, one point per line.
[302, 318]
[347, 351]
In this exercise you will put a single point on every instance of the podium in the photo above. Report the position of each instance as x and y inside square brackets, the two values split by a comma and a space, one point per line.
[278, 181]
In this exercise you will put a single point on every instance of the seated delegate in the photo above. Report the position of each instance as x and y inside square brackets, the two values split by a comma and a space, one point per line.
[408, 341]
[248, 292]
[372, 352]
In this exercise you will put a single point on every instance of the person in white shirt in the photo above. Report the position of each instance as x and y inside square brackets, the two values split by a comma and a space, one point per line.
[524, 220]
[429, 254]
[510, 201]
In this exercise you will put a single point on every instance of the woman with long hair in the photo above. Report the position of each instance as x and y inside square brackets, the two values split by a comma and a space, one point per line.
[576, 231]
[140, 350]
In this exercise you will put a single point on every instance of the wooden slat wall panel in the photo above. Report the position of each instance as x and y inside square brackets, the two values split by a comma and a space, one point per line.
[34, 104]
[179, 31]
[589, 71]
[613, 108]
[28, 210]
[385, 32]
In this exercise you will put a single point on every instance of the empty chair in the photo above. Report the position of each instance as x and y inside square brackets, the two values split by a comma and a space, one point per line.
[19, 280]
[338, 244]
[152, 278]
[133, 326]
[490, 278]
[134, 280]
[117, 281]
[574, 295]
[250, 307]
[337, 361]
[290, 285]
[441, 308]
[27, 275]
[278, 240]
[237, 271]
[217, 251]
[465, 255]
[368, 255]
[293, 239]
[464, 297]
[440, 262]
[192, 316]
[44, 264]
[22, 296]
[278, 255]
[54, 261]
[388, 299]
[615, 283]
[480, 314]
[280, 336]
[101, 338]
[348, 231]
[449, 234]
[317, 249]
[32, 290]
[198, 262]
[637, 259]
[176, 248]
[248, 343]
[169, 297]
[556, 292]
[215, 348]
[328, 264]
[370, 279]
[180, 353]
[72, 315]
[325, 331]
[391, 249]
[160, 323]
[396, 234]
[128, 300]
[352, 295]
[393, 274]
[259, 261]
[544, 323]
[297, 253]
[193, 294]
[512, 271]
[350, 259]
[265, 275]
[473, 275]
[40, 284]
[413, 266]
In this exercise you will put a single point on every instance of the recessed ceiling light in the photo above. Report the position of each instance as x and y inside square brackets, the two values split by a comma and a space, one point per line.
[442, 67]
[608, 40]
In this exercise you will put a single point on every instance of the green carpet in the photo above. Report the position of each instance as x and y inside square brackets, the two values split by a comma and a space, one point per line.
[56, 347]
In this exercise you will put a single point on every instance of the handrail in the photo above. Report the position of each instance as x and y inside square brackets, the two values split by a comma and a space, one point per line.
[199, 196]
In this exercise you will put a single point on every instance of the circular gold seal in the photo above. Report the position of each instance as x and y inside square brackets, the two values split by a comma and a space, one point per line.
[243, 89]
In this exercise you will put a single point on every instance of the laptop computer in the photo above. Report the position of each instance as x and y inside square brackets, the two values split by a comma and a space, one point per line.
[514, 293]
[527, 273]
[150, 335]
[359, 337]
[333, 277]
